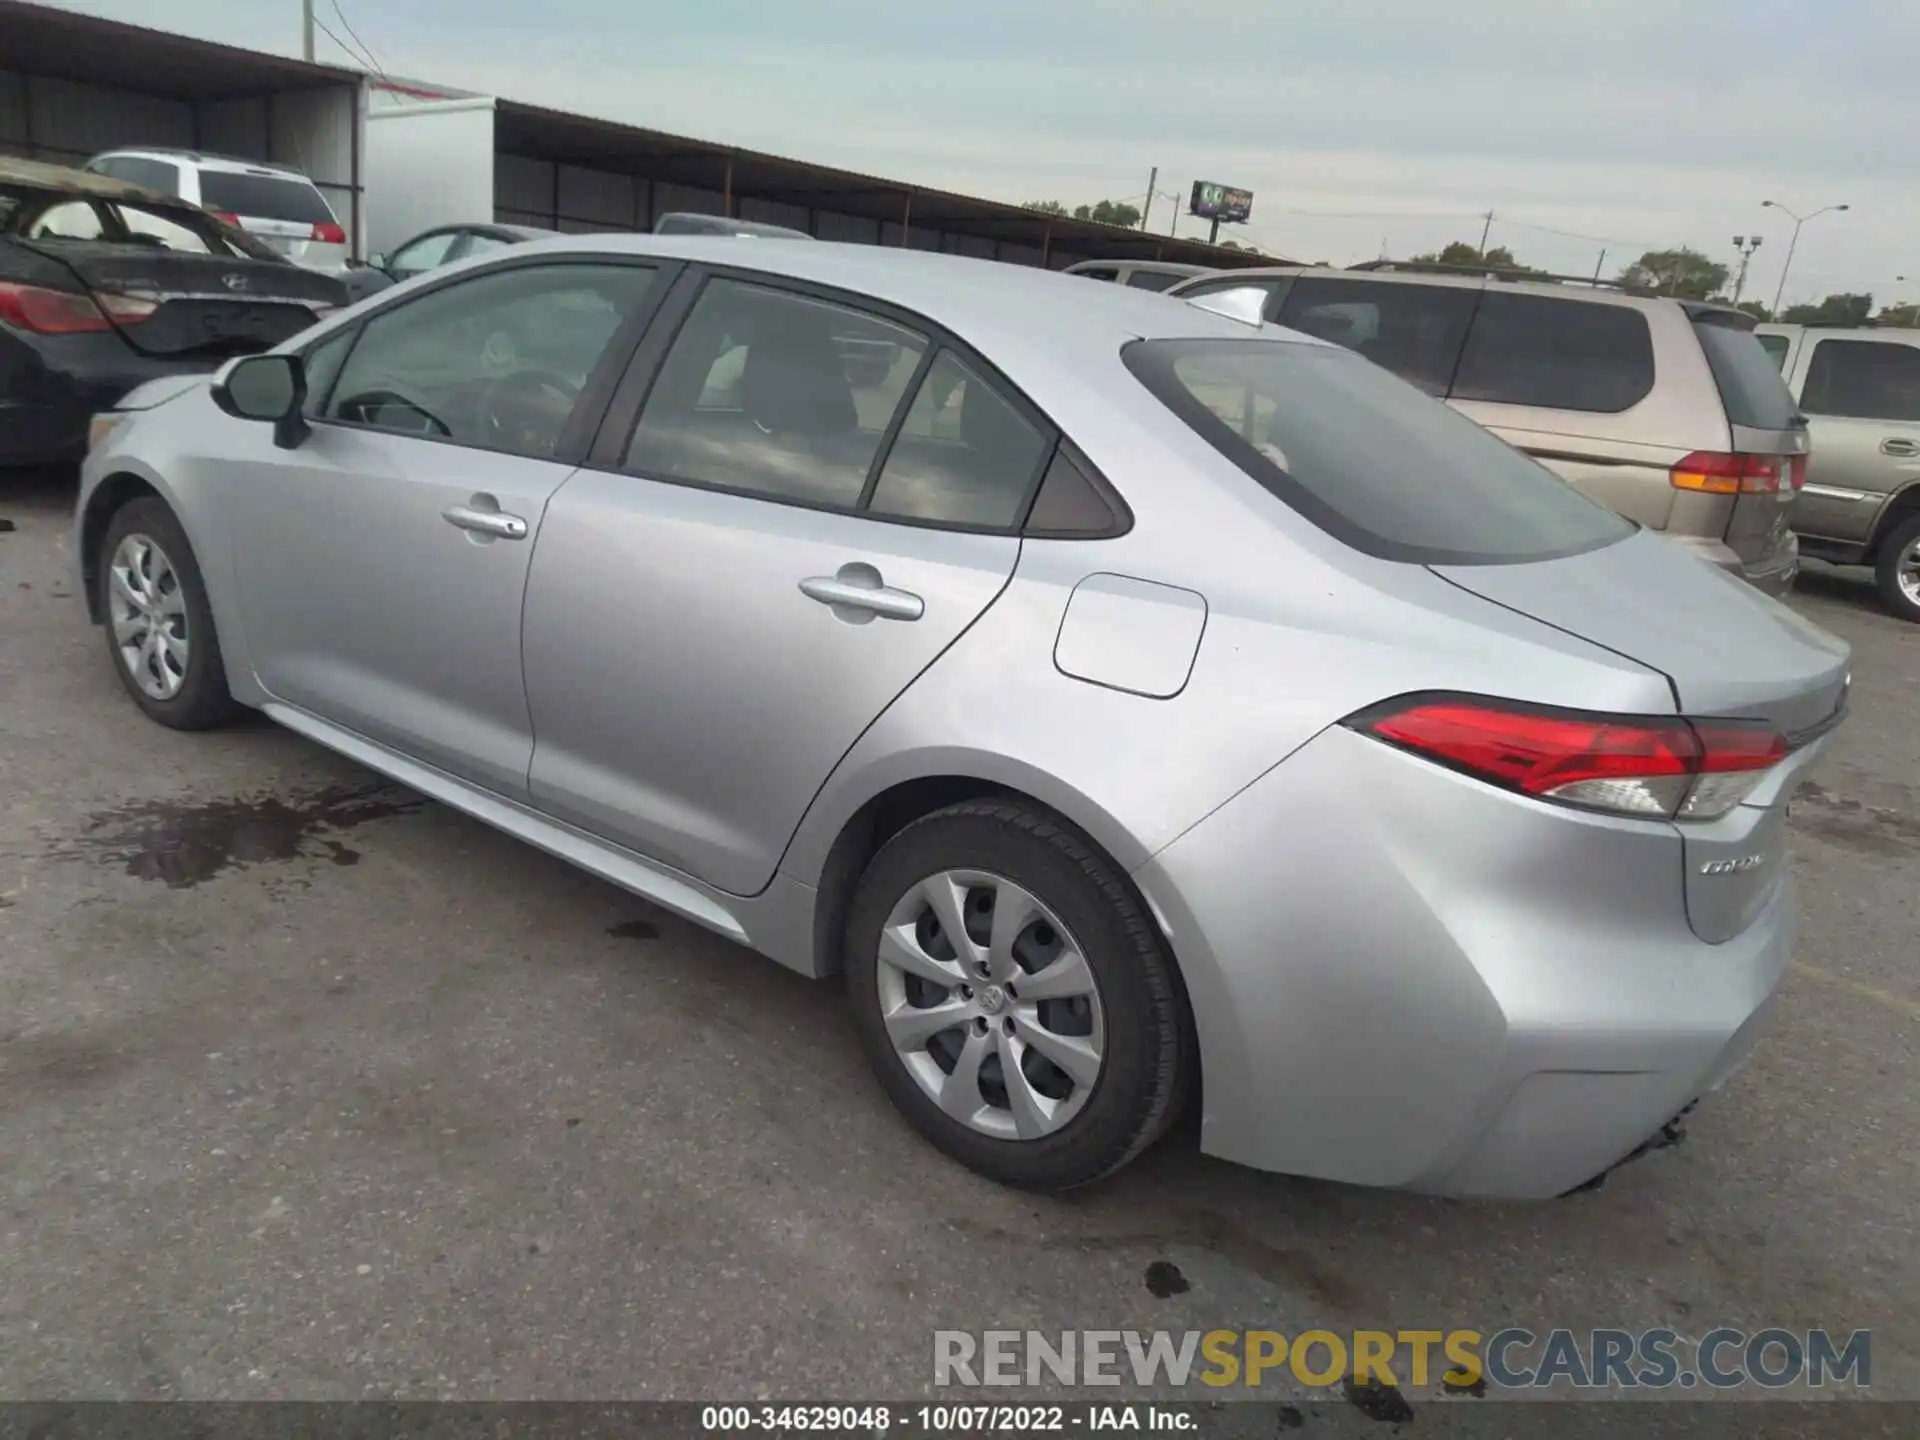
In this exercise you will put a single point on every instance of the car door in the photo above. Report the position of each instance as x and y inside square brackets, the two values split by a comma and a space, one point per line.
[1861, 395]
[381, 563]
[770, 555]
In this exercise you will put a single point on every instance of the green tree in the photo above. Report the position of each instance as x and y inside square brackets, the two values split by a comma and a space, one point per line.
[1680, 272]
[1757, 309]
[1109, 212]
[1834, 310]
[1461, 253]
[1045, 207]
[1904, 317]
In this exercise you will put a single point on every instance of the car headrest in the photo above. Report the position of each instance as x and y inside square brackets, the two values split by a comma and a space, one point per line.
[793, 381]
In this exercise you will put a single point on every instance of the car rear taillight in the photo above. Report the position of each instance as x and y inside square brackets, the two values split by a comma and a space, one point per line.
[226, 217]
[1658, 766]
[1718, 473]
[328, 233]
[63, 312]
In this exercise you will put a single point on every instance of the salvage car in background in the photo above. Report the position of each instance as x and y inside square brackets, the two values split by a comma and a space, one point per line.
[1123, 697]
[1860, 389]
[104, 285]
[1668, 411]
[1140, 274]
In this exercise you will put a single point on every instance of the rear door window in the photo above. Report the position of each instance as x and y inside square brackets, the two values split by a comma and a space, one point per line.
[1107, 272]
[775, 394]
[69, 220]
[1413, 330]
[965, 454]
[1776, 347]
[1863, 380]
[1368, 458]
[1556, 354]
[263, 197]
[1749, 382]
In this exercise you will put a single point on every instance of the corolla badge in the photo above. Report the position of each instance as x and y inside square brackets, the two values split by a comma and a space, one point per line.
[234, 282]
[1733, 867]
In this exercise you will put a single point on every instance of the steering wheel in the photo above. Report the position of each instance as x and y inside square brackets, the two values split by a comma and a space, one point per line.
[524, 413]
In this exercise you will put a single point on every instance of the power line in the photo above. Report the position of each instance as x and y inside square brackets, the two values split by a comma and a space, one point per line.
[368, 49]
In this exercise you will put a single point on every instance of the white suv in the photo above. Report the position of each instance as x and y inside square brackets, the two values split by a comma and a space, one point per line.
[275, 202]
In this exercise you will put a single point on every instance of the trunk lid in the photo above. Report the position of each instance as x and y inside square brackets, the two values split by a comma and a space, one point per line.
[1730, 653]
[207, 304]
[1727, 650]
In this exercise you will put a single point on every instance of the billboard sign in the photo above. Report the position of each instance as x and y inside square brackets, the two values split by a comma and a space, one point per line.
[1220, 202]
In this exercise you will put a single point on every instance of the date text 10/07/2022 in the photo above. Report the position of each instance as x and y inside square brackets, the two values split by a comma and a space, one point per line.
[934, 1419]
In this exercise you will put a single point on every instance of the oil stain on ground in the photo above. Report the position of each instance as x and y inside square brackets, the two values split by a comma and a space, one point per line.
[183, 844]
[1853, 825]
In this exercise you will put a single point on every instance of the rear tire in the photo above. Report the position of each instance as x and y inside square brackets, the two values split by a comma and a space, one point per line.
[158, 622]
[1896, 570]
[1101, 996]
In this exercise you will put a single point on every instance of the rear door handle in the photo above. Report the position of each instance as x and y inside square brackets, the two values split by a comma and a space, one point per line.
[859, 588]
[1905, 449]
[486, 522]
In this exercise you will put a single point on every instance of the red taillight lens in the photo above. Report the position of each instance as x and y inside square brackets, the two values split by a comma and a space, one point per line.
[62, 312]
[1655, 766]
[328, 233]
[226, 217]
[1797, 472]
[1715, 473]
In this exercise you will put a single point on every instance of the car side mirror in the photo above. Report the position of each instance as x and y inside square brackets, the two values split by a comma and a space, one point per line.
[272, 388]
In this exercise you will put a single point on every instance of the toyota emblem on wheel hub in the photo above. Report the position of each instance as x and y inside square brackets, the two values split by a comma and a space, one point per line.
[234, 282]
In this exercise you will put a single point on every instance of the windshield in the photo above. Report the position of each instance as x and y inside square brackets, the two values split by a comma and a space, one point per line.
[1367, 457]
[263, 197]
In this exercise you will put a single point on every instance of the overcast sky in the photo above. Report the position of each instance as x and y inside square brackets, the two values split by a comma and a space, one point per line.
[1358, 124]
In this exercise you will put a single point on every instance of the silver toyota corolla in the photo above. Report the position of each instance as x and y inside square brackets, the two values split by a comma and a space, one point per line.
[1130, 701]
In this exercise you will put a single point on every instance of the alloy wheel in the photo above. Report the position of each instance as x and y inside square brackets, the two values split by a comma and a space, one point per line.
[148, 613]
[990, 1004]
[1907, 573]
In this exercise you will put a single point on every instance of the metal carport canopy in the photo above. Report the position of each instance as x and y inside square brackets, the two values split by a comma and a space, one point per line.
[534, 133]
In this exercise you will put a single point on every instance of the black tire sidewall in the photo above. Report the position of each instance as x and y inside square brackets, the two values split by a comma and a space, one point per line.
[1886, 570]
[1130, 1104]
[203, 699]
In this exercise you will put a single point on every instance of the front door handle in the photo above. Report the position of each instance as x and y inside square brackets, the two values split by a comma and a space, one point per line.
[486, 522]
[858, 593]
[1905, 449]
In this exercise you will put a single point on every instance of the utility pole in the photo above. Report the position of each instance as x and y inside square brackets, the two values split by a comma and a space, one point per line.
[1147, 209]
[1173, 225]
[1485, 231]
[306, 29]
[1597, 266]
[1745, 245]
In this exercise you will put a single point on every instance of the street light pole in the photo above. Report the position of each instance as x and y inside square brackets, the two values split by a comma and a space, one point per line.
[1798, 221]
[1746, 245]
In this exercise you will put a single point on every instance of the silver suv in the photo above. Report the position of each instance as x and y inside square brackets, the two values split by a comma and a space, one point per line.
[1668, 411]
[273, 202]
[1861, 506]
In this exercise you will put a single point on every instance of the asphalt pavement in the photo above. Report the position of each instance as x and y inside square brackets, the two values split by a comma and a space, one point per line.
[311, 1088]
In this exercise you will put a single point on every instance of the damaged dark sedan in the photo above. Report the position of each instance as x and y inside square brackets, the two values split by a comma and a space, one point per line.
[106, 285]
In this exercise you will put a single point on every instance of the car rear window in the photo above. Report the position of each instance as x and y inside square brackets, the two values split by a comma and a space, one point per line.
[1556, 354]
[1153, 279]
[1413, 330]
[263, 197]
[1750, 383]
[1367, 457]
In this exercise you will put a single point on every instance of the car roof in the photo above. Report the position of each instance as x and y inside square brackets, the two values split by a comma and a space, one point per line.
[206, 159]
[1549, 289]
[43, 176]
[990, 302]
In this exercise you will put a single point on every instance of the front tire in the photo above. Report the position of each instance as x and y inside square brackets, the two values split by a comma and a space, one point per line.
[158, 622]
[1045, 1049]
[1897, 569]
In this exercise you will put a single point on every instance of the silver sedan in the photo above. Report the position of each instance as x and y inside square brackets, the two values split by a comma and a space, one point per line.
[1140, 708]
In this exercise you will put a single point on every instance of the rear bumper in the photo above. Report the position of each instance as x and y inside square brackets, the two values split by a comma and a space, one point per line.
[1772, 574]
[1403, 977]
[55, 384]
